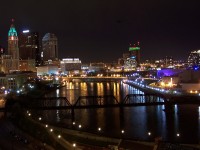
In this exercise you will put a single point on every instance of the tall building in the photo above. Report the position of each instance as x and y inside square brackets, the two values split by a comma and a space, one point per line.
[49, 47]
[132, 59]
[168, 61]
[194, 59]
[13, 49]
[29, 46]
[135, 53]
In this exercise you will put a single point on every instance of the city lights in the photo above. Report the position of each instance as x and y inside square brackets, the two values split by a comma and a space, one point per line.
[149, 133]
[25, 31]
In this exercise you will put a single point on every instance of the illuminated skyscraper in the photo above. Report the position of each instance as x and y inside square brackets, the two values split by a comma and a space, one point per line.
[132, 59]
[194, 59]
[13, 49]
[49, 47]
[135, 53]
[29, 46]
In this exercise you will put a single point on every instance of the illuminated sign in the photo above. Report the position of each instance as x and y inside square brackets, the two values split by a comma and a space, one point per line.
[134, 48]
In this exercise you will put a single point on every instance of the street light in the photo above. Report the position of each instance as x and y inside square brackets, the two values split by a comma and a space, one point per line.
[149, 133]
[74, 145]
[122, 131]
[79, 126]
[99, 129]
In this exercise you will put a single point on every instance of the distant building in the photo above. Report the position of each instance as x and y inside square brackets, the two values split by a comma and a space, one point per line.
[135, 53]
[13, 49]
[97, 67]
[6, 63]
[132, 59]
[29, 46]
[49, 47]
[16, 79]
[194, 59]
[168, 61]
[48, 69]
[70, 64]
[2, 50]
[27, 65]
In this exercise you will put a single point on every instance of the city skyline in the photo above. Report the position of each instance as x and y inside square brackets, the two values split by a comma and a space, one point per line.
[102, 31]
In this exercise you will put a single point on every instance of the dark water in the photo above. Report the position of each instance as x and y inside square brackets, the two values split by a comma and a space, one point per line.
[180, 124]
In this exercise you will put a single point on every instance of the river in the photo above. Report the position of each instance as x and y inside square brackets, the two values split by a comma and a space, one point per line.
[181, 124]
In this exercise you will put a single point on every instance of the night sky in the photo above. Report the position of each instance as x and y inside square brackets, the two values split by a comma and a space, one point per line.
[101, 30]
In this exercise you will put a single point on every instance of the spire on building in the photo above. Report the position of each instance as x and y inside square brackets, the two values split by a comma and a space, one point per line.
[12, 32]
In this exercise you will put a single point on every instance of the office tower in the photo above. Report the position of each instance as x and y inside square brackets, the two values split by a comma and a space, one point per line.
[49, 47]
[194, 59]
[168, 61]
[29, 46]
[135, 53]
[13, 49]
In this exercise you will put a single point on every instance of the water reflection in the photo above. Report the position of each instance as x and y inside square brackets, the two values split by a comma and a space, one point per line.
[2, 105]
[144, 122]
[2, 102]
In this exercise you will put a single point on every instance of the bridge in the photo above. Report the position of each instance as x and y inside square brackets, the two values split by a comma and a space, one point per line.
[104, 101]
[96, 101]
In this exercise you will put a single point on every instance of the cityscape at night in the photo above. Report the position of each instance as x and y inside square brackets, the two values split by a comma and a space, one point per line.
[99, 75]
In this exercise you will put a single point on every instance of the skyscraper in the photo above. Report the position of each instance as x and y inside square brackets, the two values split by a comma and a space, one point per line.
[194, 59]
[132, 59]
[135, 53]
[29, 46]
[49, 47]
[13, 49]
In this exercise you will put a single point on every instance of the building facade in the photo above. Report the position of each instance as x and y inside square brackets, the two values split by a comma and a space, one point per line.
[29, 46]
[70, 64]
[49, 47]
[194, 59]
[13, 49]
[132, 59]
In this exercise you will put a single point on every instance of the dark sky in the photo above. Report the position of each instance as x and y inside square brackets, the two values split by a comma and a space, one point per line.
[101, 30]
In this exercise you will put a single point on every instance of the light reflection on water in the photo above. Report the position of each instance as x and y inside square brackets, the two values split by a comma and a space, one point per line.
[161, 121]
[2, 102]
[2, 105]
